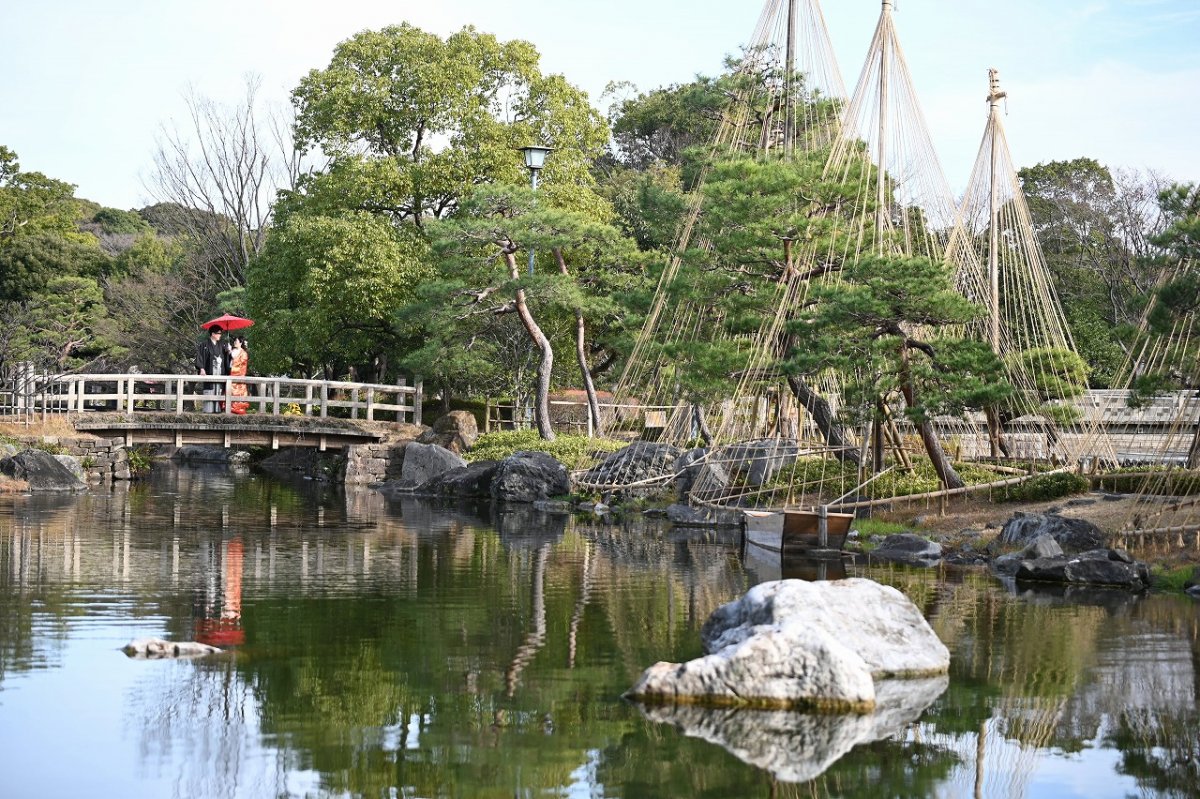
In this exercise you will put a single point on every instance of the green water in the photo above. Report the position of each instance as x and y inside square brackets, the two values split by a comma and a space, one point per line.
[402, 650]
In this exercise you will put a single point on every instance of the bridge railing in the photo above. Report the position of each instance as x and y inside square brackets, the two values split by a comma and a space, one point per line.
[138, 393]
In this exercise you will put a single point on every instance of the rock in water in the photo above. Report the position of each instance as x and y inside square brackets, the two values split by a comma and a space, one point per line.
[153, 648]
[41, 471]
[875, 621]
[796, 644]
[792, 666]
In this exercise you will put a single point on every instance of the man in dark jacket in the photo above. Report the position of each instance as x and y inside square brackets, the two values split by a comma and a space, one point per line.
[211, 360]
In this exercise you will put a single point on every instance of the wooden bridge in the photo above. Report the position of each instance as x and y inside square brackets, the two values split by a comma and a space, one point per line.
[171, 409]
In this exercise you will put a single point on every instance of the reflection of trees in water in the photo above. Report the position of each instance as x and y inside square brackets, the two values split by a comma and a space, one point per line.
[1063, 669]
[381, 640]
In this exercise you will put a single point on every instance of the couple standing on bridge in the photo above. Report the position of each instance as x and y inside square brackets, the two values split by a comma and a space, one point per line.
[215, 358]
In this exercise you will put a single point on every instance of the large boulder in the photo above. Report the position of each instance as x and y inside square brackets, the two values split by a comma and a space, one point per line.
[1073, 535]
[687, 467]
[423, 462]
[640, 461]
[792, 643]
[1042, 547]
[1109, 567]
[41, 471]
[909, 549]
[457, 431]
[529, 476]
[472, 480]
[876, 621]
[760, 460]
[793, 666]
[797, 747]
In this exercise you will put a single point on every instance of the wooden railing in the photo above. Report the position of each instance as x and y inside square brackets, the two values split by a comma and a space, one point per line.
[281, 396]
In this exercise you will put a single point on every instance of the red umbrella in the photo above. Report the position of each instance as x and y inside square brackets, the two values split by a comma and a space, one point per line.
[228, 322]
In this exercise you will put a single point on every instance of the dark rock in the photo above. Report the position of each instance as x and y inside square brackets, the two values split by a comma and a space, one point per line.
[1080, 502]
[1073, 535]
[640, 461]
[552, 506]
[423, 462]
[1095, 567]
[1103, 571]
[758, 461]
[1007, 565]
[457, 431]
[41, 471]
[203, 454]
[1049, 570]
[472, 480]
[908, 548]
[1194, 580]
[529, 476]
[1193, 591]
[655, 513]
[689, 516]
[687, 468]
[1112, 497]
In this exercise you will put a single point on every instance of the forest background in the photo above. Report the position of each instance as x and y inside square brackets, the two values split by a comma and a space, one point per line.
[381, 225]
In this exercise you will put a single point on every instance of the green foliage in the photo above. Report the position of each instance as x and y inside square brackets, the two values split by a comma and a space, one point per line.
[31, 203]
[324, 289]
[68, 325]
[870, 527]
[859, 328]
[140, 460]
[1160, 481]
[1045, 486]
[31, 261]
[113, 220]
[574, 452]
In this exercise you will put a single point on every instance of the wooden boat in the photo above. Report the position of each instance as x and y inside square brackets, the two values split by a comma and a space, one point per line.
[795, 530]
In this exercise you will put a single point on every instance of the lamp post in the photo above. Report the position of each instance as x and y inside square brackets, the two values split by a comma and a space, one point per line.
[535, 159]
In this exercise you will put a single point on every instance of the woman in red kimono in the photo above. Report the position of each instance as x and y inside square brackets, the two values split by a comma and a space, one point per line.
[238, 363]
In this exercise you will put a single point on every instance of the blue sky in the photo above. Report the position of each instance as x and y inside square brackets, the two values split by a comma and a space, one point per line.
[85, 86]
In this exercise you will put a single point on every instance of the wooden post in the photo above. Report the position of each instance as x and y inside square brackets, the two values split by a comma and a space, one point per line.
[324, 404]
[275, 399]
[371, 404]
[487, 414]
[179, 395]
[80, 393]
[129, 384]
[354, 403]
[308, 399]
[228, 389]
[418, 399]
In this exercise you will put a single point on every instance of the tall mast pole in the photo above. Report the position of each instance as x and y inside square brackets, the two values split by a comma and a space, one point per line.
[882, 205]
[994, 97]
[789, 112]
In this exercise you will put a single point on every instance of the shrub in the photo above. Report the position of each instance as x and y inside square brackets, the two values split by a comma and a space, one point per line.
[1045, 486]
[1162, 481]
[574, 452]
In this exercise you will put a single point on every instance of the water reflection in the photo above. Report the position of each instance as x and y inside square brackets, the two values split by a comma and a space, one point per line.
[798, 747]
[402, 648]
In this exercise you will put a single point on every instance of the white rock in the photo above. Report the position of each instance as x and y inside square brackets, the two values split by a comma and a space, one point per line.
[877, 622]
[793, 666]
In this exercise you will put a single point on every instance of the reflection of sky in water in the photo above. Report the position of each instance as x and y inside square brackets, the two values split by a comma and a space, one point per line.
[93, 573]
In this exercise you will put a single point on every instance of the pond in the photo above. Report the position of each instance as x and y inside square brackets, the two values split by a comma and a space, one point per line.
[396, 649]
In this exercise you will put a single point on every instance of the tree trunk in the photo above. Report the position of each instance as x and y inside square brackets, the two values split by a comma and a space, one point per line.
[937, 455]
[1193, 461]
[541, 407]
[831, 429]
[702, 425]
[996, 442]
[589, 386]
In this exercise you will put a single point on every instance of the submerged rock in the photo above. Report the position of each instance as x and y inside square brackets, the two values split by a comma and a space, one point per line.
[1109, 567]
[153, 648]
[529, 476]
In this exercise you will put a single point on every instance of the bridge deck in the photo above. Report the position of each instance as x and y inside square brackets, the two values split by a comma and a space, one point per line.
[149, 427]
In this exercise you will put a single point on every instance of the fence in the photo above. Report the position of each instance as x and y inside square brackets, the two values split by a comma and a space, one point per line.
[27, 393]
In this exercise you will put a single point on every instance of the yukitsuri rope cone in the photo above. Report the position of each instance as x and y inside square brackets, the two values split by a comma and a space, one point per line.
[779, 439]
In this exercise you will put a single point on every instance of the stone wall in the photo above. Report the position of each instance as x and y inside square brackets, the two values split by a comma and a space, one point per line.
[101, 458]
[373, 463]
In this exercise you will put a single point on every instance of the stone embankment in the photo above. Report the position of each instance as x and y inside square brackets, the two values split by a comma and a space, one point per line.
[93, 458]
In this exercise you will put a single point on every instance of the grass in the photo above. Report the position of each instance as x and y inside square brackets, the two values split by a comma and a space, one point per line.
[1171, 579]
[869, 527]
